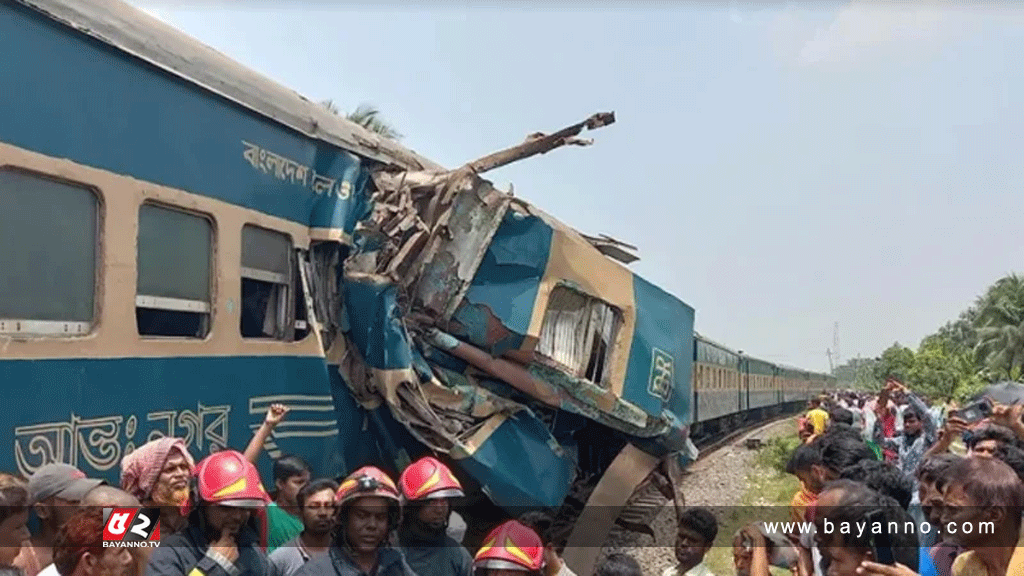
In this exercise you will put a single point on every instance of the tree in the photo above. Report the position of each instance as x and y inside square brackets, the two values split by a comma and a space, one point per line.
[1000, 326]
[958, 336]
[368, 117]
[943, 373]
[896, 362]
[858, 373]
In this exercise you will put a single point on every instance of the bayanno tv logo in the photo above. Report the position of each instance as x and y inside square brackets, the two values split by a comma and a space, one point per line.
[131, 527]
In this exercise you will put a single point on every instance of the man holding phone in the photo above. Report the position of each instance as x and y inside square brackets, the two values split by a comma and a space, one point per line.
[918, 434]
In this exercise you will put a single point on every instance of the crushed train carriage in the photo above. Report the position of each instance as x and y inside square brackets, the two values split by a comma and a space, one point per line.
[202, 242]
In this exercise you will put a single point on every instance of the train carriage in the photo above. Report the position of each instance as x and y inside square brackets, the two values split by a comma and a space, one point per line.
[193, 247]
[719, 389]
[763, 382]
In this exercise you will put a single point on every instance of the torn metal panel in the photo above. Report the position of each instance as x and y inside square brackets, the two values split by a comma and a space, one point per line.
[612, 248]
[512, 482]
[630, 468]
[451, 261]
[478, 324]
[540, 143]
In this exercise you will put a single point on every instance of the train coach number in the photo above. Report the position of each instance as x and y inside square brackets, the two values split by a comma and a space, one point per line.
[663, 374]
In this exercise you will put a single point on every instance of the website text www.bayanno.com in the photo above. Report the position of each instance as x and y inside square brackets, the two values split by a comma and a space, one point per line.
[876, 527]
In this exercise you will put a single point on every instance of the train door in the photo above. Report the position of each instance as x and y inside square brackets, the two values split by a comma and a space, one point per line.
[777, 386]
[696, 378]
[744, 384]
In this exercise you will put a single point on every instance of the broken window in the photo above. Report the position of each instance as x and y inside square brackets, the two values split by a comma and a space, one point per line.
[175, 263]
[49, 234]
[578, 334]
[267, 280]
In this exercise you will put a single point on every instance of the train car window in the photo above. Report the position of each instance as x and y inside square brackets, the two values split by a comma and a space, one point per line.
[175, 262]
[49, 231]
[302, 324]
[578, 334]
[268, 300]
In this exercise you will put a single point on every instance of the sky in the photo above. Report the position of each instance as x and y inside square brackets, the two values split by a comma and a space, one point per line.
[781, 166]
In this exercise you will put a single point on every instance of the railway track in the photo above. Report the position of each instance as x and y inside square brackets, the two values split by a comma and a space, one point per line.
[709, 445]
[650, 498]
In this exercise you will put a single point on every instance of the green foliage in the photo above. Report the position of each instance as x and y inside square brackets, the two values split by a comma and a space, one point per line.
[984, 344]
[775, 453]
[943, 373]
[858, 373]
[368, 117]
[1000, 326]
[896, 362]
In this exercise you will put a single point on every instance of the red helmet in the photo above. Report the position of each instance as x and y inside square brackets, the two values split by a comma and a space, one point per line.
[228, 479]
[511, 546]
[366, 481]
[428, 478]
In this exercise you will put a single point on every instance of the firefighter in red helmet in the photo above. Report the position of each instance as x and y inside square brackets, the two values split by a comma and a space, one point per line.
[225, 523]
[511, 549]
[368, 511]
[427, 485]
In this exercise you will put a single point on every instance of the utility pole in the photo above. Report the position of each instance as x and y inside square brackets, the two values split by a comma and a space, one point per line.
[835, 343]
[831, 366]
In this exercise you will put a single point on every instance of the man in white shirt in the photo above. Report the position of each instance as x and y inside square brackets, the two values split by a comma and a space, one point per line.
[697, 530]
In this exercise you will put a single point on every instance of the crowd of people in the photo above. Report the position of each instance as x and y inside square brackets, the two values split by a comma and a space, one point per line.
[946, 484]
[887, 461]
[889, 485]
[217, 519]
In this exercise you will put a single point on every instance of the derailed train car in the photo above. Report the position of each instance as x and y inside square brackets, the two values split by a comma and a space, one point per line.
[201, 242]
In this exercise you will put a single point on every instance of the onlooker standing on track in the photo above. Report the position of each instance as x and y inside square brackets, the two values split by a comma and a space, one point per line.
[817, 417]
[368, 512]
[158, 473]
[284, 519]
[620, 565]
[884, 478]
[56, 490]
[696, 533]
[316, 502]
[983, 490]
[918, 435]
[853, 504]
[14, 509]
[79, 551]
[803, 465]
[291, 473]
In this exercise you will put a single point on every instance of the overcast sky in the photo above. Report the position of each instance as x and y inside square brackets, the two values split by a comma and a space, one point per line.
[780, 169]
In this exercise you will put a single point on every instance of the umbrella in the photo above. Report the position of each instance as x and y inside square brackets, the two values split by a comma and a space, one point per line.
[1002, 392]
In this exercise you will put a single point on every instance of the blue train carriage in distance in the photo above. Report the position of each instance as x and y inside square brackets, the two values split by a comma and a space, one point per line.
[201, 242]
[720, 386]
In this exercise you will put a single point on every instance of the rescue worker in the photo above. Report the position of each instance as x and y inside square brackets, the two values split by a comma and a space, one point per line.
[427, 486]
[510, 550]
[368, 511]
[224, 535]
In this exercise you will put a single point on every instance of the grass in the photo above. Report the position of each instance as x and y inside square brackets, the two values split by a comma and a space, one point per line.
[767, 497]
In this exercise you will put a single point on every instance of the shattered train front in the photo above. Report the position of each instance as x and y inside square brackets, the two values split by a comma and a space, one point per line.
[477, 327]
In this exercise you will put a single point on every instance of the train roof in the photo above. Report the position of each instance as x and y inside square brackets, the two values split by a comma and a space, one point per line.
[137, 33]
[705, 339]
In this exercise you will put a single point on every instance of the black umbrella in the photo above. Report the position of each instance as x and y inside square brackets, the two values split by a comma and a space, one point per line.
[1002, 392]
